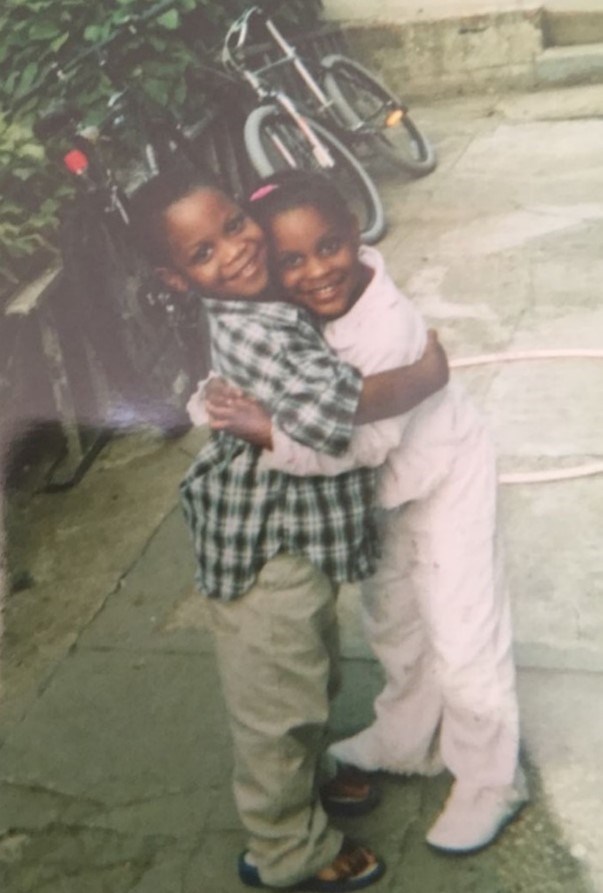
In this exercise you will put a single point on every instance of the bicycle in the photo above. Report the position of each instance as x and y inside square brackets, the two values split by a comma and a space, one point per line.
[96, 246]
[279, 134]
[352, 107]
[147, 347]
[102, 272]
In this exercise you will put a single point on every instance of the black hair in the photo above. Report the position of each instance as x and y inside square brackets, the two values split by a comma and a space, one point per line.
[287, 190]
[150, 202]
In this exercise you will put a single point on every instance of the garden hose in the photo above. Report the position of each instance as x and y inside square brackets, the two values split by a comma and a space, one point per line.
[537, 477]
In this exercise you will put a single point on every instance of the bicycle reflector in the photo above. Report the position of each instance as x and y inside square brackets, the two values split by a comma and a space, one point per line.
[394, 118]
[76, 162]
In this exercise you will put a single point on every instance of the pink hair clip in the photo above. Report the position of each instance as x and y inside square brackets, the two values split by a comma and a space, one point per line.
[263, 191]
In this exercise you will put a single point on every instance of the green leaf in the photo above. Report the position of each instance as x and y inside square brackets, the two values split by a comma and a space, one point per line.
[21, 173]
[43, 30]
[121, 16]
[180, 93]
[32, 32]
[58, 42]
[157, 90]
[28, 76]
[95, 33]
[169, 20]
[32, 150]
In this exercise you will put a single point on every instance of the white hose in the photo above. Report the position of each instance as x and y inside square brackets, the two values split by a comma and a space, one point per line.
[537, 477]
[513, 355]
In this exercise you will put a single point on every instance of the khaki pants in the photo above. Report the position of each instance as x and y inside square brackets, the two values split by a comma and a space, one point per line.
[277, 651]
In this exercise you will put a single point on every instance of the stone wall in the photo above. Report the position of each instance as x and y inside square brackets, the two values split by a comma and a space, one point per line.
[443, 47]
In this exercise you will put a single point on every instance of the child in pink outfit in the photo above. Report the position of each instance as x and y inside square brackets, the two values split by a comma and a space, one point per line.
[436, 613]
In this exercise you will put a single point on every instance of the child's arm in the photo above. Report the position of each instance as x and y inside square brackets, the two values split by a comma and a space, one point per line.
[245, 418]
[383, 395]
[370, 444]
[275, 353]
[397, 391]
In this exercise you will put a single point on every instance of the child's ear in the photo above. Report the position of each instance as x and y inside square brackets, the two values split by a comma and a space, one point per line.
[174, 280]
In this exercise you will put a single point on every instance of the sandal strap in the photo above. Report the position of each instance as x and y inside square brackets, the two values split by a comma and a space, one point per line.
[350, 793]
[352, 860]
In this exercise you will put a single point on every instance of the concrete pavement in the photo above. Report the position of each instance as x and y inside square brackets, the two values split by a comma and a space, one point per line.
[114, 750]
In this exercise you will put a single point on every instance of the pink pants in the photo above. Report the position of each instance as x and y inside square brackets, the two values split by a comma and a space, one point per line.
[437, 613]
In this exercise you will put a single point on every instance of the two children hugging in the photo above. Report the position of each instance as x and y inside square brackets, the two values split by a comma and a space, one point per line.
[276, 529]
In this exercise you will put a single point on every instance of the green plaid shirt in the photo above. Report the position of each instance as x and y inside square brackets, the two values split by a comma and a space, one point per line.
[239, 515]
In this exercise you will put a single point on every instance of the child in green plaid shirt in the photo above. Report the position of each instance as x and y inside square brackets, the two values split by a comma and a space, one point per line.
[271, 548]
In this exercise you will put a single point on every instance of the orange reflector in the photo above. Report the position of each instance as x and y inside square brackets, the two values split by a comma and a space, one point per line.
[394, 118]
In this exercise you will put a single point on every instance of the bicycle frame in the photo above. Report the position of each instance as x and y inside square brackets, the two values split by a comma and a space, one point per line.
[290, 57]
[265, 93]
[325, 106]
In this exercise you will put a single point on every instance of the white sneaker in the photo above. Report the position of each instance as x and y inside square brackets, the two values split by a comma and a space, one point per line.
[362, 750]
[473, 817]
[368, 751]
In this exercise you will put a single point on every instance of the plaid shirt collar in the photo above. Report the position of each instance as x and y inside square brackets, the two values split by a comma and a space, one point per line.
[274, 312]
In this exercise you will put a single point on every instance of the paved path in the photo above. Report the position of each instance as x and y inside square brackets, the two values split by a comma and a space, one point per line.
[114, 752]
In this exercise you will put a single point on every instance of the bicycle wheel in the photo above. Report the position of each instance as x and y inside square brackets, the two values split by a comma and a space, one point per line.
[368, 107]
[275, 142]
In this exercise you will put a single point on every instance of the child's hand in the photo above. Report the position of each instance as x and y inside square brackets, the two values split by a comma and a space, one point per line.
[434, 358]
[241, 416]
[220, 391]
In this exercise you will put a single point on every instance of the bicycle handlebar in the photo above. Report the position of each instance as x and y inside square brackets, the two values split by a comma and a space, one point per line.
[239, 29]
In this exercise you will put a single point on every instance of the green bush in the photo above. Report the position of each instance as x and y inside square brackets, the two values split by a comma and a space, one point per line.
[37, 34]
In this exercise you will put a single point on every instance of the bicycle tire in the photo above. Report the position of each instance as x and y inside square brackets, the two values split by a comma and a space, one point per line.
[360, 100]
[271, 135]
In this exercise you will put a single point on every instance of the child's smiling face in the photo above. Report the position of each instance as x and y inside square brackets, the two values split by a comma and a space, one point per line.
[316, 261]
[214, 246]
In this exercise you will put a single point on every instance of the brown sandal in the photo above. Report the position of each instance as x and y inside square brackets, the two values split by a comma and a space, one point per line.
[353, 868]
[350, 793]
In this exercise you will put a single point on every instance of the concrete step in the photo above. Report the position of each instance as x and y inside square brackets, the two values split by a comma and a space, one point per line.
[572, 22]
[440, 47]
[570, 65]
